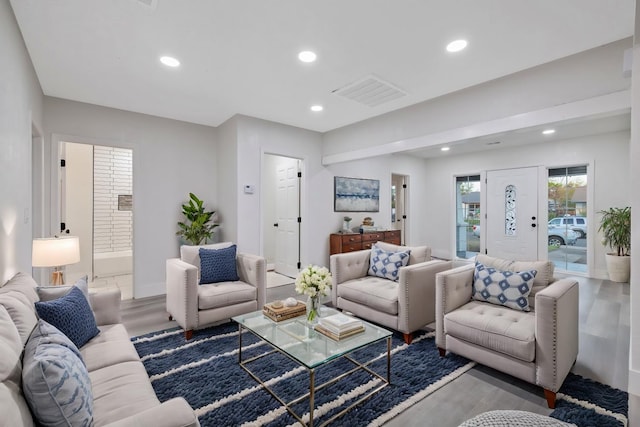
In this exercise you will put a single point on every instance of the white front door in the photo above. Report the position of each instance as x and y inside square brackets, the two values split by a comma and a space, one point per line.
[512, 214]
[288, 211]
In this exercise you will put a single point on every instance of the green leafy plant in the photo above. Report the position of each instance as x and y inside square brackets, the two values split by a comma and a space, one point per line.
[198, 225]
[616, 229]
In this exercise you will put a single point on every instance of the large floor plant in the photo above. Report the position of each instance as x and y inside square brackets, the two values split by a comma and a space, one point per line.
[198, 224]
[615, 226]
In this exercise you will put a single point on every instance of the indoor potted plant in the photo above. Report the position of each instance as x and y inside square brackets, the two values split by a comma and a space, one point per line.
[197, 225]
[615, 225]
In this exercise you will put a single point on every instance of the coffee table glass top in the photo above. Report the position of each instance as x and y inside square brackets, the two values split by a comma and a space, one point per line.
[298, 340]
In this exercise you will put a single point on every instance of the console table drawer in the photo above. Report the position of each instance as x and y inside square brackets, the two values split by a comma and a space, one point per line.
[340, 243]
[373, 237]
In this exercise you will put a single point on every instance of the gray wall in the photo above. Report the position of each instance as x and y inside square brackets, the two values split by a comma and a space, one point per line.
[170, 159]
[20, 112]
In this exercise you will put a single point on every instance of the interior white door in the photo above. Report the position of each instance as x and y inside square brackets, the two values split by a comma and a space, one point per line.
[399, 217]
[77, 205]
[512, 214]
[288, 212]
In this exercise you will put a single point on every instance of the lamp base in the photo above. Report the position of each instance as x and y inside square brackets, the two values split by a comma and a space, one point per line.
[57, 278]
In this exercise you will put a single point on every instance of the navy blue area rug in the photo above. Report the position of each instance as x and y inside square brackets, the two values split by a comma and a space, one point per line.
[205, 371]
[585, 402]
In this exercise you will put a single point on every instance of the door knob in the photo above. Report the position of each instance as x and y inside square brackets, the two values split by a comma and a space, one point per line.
[534, 225]
[275, 225]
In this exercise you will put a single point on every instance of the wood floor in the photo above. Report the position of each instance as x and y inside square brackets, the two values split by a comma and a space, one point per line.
[603, 356]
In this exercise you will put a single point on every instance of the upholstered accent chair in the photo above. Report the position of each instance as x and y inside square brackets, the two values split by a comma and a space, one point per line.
[194, 305]
[406, 304]
[538, 346]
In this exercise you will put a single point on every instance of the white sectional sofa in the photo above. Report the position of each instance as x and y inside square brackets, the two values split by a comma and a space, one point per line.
[121, 390]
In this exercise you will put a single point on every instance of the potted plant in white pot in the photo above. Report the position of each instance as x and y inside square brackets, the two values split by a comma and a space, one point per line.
[615, 225]
[198, 225]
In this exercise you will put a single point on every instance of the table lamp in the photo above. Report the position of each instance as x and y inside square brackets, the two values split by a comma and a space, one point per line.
[55, 252]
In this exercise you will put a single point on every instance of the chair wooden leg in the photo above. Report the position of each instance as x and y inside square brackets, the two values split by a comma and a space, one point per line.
[551, 398]
[442, 351]
[408, 338]
[188, 334]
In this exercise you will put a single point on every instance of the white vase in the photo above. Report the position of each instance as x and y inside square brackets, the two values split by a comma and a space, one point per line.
[619, 268]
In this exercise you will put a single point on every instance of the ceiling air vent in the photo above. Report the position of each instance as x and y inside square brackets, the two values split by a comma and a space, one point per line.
[370, 91]
[149, 3]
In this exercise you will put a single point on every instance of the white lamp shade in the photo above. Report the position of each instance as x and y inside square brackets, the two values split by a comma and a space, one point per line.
[55, 251]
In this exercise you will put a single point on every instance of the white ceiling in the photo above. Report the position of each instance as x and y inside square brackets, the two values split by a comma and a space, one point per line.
[240, 56]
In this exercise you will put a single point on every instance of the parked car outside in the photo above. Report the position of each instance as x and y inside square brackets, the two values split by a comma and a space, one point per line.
[558, 236]
[575, 223]
[562, 235]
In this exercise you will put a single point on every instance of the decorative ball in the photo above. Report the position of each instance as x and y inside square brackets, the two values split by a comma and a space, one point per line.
[291, 302]
[276, 304]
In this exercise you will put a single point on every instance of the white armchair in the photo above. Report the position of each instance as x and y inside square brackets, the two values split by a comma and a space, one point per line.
[539, 346]
[193, 305]
[405, 305]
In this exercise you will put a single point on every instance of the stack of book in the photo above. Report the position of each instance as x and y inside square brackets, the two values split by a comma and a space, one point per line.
[283, 312]
[338, 326]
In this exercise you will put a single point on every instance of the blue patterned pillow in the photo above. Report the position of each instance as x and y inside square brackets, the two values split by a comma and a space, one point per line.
[387, 264]
[506, 288]
[72, 315]
[55, 380]
[218, 265]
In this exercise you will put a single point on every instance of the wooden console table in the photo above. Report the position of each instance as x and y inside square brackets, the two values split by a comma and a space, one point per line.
[340, 243]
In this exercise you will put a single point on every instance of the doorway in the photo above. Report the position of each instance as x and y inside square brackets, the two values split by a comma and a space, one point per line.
[512, 214]
[96, 195]
[281, 176]
[399, 186]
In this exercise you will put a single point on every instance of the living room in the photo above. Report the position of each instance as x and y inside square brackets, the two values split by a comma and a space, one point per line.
[173, 158]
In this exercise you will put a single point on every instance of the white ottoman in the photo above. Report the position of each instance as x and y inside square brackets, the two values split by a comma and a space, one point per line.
[508, 418]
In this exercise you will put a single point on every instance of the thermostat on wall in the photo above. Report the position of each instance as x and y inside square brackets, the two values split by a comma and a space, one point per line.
[249, 189]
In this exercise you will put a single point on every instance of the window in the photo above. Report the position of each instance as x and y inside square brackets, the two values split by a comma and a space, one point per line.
[467, 216]
[567, 227]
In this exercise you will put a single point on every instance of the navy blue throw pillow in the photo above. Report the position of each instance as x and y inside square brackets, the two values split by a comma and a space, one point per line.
[218, 265]
[72, 315]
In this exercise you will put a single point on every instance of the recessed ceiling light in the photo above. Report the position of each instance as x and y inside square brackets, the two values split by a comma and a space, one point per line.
[307, 56]
[548, 131]
[170, 61]
[493, 143]
[444, 149]
[456, 45]
[317, 108]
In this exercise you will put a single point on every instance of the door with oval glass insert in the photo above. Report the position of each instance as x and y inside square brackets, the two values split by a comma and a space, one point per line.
[512, 214]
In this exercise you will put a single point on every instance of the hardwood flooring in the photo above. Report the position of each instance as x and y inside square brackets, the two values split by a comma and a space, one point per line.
[603, 356]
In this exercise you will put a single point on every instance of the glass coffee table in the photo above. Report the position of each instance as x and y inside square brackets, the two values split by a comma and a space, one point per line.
[298, 341]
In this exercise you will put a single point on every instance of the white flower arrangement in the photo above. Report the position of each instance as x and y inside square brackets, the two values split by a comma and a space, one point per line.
[314, 281]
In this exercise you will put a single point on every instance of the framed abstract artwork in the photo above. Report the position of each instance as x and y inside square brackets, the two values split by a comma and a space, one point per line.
[356, 194]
